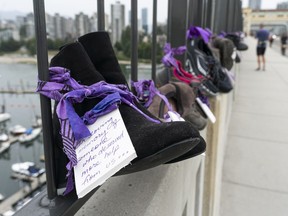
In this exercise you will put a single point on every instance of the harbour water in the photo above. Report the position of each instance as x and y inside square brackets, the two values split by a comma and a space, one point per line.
[23, 108]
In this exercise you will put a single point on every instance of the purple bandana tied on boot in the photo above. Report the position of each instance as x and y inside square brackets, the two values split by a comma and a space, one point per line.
[65, 90]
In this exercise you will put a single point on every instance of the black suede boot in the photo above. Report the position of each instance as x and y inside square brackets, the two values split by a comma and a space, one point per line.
[99, 48]
[155, 143]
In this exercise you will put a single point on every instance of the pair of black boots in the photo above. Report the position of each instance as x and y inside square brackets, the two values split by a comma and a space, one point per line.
[92, 59]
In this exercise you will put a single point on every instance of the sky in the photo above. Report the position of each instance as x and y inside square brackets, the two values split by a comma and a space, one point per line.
[266, 4]
[71, 7]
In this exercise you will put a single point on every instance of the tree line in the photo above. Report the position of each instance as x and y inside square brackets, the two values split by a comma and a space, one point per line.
[122, 48]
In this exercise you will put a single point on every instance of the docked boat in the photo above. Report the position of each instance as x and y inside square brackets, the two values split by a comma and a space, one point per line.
[30, 135]
[4, 117]
[28, 169]
[3, 137]
[1, 197]
[17, 130]
[37, 122]
[4, 146]
[4, 142]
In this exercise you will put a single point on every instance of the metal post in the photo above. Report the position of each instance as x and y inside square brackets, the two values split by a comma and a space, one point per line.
[43, 74]
[169, 20]
[154, 47]
[212, 17]
[134, 40]
[177, 21]
[101, 15]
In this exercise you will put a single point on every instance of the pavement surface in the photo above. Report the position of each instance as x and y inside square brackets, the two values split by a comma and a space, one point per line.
[255, 170]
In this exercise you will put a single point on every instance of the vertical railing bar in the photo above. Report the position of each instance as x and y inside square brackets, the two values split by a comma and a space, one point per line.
[101, 15]
[228, 14]
[134, 40]
[169, 21]
[204, 13]
[154, 34]
[212, 18]
[46, 114]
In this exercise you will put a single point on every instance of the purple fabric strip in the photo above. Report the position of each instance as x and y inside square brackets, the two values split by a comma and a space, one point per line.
[222, 34]
[203, 98]
[168, 59]
[195, 32]
[67, 91]
[107, 105]
[146, 90]
[210, 33]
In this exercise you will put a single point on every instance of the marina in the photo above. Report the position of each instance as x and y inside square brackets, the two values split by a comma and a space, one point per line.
[22, 140]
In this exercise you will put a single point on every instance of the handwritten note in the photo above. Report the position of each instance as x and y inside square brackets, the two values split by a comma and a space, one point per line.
[101, 155]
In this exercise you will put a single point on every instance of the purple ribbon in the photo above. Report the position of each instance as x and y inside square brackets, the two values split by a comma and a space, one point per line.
[222, 34]
[146, 91]
[203, 98]
[168, 59]
[210, 33]
[67, 91]
[195, 32]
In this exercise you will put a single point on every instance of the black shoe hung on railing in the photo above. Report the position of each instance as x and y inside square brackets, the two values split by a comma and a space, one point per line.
[200, 60]
[197, 64]
[99, 48]
[155, 143]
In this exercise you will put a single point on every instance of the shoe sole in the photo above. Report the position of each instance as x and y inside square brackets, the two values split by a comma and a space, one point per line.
[189, 154]
[174, 151]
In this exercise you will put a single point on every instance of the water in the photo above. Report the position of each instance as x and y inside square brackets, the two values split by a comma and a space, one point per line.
[23, 108]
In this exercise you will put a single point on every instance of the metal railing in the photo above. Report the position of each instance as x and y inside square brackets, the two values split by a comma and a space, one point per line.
[217, 15]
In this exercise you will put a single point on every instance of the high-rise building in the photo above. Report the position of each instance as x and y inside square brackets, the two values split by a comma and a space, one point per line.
[82, 24]
[282, 5]
[29, 26]
[59, 26]
[117, 21]
[50, 27]
[69, 28]
[144, 19]
[255, 4]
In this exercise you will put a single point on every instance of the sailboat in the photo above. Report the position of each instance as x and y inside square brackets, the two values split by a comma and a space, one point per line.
[27, 168]
[17, 130]
[30, 135]
[1, 197]
[4, 116]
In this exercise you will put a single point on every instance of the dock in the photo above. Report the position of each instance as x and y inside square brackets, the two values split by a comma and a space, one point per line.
[8, 203]
[6, 145]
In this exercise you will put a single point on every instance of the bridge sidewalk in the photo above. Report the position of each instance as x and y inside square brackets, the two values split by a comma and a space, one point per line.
[255, 170]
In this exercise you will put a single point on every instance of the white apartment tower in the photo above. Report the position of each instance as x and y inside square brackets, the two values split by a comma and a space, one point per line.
[117, 21]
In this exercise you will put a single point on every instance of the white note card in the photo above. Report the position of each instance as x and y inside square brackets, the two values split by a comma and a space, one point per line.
[206, 110]
[104, 153]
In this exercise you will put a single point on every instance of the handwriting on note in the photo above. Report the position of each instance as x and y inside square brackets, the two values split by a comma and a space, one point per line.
[101, 155]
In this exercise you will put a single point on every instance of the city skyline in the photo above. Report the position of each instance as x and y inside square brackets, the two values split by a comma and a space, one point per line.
[90, 7]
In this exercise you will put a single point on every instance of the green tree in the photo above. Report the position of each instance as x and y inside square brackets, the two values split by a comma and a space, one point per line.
[10, 45]
[144, 50]
[22, 32]
[126, 40]
[31, 46]
[118, 46]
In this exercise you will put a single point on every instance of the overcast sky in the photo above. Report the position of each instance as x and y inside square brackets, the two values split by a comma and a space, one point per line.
[71, 7]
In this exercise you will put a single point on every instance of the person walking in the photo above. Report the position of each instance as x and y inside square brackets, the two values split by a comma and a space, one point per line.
[271, 39]
[283, 43]
[262, 35]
